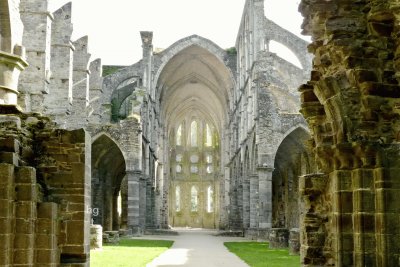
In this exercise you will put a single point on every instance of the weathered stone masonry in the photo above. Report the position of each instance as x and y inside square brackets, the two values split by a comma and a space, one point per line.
[200, 136]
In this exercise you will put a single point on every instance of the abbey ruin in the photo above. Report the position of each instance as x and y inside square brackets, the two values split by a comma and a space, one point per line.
[195, 135]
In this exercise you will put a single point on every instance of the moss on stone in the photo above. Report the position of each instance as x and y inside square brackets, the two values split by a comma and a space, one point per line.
[231, 51]
[110, 69]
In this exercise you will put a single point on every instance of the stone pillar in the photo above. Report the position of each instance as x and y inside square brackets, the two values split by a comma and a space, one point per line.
[294, 241]
[6, 213]
[95, 91]
[254, 217]
[147, 45]
[246, 202]
[142, 202]
[265, 197]
[124, 203]
[108, 209]
[80, 86]
[312, 232]
[12, 53]
[58, 102]
[134, 201]
[115, 215]
[278, 238]
[37, 36]
[70, 180]
[96, 236]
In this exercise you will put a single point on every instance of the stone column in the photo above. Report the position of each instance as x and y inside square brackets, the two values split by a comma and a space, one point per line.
[265, 197]
[124, 203]
[37, 36]
[312, 232]
[80, 86]
[95, 91]
[133, 177]
[254, 217]
[58, 102]
[142, 202]
[115, 215]
[246, 202]
[12, 53]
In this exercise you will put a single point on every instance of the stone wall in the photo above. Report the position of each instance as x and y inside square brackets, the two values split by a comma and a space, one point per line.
[351, 105]
[46, 193]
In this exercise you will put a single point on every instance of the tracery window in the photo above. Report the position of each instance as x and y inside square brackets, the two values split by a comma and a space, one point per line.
[178, 199]
[193, 133]
[194, 199]
[179, 136]
[210, 199]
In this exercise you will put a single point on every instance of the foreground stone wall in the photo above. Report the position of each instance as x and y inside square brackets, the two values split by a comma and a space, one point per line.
[46, 185]
[351, 105]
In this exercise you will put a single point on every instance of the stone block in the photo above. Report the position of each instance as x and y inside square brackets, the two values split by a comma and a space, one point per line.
[294, 241]
[9, 144]
[44, 241]
[23, 256]
[25, 175]
[46, 226]
[46, 256]
[9, 157]
[364, 222]
[7, 192]
[75, 232]
[25, 209]
[47, 210]
[6, 174]
[96, 237]
[6, 208]
[25, 226]
[279, 238]
[6, 240]
[387, 200]
[5, 256]
[363, 178]
[27, 192]
[24, 241]
[364, 200]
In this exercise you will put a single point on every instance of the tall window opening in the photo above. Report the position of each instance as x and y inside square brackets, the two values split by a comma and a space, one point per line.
[194, 199]
[193, 133]
[208, 135]
[179, 136]
[210, 199]
[177, 199]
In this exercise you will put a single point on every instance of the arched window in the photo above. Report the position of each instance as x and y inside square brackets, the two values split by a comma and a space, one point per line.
[194, 199]
[177, 199]
[193, 133]
[208, 135]
[179, 136]
[210, 199]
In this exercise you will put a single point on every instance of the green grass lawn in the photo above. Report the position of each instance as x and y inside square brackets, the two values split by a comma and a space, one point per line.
[128, 253]
[257, 254]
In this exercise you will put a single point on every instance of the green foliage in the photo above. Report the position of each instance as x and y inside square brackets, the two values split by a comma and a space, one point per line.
[258, 254]
[110, 69]
[231, 51]
[129, 252]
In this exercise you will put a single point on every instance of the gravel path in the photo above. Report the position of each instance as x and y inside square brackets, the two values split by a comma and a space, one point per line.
[197, 248]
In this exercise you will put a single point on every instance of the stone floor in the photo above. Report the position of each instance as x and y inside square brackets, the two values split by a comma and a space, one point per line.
[197, 248]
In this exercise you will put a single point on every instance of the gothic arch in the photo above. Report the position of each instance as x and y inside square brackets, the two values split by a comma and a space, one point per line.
[292, 42]
[108, 171]
[220, 57]
[290, 157]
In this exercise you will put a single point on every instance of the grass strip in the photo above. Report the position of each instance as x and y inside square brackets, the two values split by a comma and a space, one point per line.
[258, 254]
[128, 253]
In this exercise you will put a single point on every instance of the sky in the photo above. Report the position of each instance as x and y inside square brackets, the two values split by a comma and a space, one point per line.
[113, 26]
